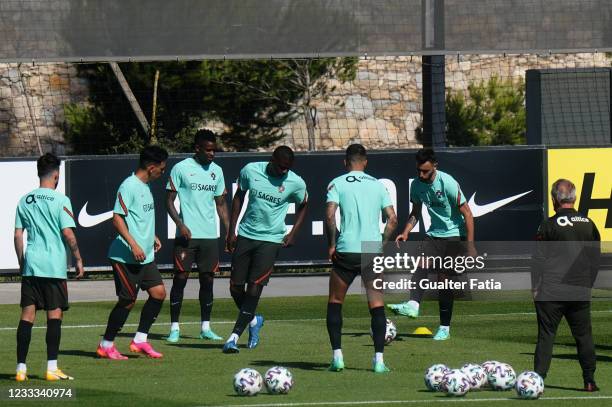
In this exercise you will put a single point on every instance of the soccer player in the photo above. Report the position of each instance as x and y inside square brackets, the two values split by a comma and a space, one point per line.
[451, 223]
[200, 186]
[272, 186]
[47, 217]
[361, 199]
[563, 275]
[132, 255]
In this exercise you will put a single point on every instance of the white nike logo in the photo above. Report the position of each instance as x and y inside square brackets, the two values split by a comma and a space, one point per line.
[86, 220]
[479, 210]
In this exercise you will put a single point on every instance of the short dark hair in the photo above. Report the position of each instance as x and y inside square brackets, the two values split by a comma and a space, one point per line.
[47, 164]
[356, 152]
[152, 155]
[204, 135]
[424, 155]
[283, 153]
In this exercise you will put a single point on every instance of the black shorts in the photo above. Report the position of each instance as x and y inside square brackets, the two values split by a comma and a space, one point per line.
[349, 265]
[443, 247]
[130, 277]
[253, 261]
[204, 252]
[45, 293]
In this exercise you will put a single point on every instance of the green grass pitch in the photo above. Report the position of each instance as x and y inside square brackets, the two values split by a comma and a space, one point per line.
[195, 372]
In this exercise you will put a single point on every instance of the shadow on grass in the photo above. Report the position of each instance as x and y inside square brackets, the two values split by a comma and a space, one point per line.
[550, 386]
[149, 336]
[10, 377]
[573, 356]
[218, 345]
[297, 365]
[86, 354]
[599, 347]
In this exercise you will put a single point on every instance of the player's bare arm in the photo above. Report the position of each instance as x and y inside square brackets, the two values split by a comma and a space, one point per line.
[469, 228]
[122, 229]
[300, 214]
[331, 228]
[391, 217]
[71, 241]
[18, 241]
[413, 219]
[174, 215]
[222, 211]
[237, 202]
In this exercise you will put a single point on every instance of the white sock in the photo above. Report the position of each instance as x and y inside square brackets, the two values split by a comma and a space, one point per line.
[106, 344]
[21, 367]
[445, 327]
[174, 326]
[51, 365]
[253, 322]
[233, 337]
[338, 354]
[414, 304]
[378, 357]
[205, 325]
[140, 337]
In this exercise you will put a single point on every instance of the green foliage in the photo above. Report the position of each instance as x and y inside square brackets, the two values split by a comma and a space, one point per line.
[253, 100]
[493, 113]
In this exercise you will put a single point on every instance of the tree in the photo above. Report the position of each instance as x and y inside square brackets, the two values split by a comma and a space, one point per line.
[492, 114]
[253, 99]
[301, 81]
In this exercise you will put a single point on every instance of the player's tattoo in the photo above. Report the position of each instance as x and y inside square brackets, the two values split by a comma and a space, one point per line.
[74, 247]
[412, 220]
[389, 213]
[330, 223]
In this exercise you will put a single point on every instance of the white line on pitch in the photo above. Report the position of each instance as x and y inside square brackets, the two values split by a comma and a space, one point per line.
[439, 400]
[509, 314]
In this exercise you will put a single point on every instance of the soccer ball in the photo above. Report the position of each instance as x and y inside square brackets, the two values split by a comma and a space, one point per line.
[476, 374]
[529, 385]
[489, 365]
[502, 377]
[434, 376]
[390, 332]
[247, 382]
[455, 383]
[278, 380]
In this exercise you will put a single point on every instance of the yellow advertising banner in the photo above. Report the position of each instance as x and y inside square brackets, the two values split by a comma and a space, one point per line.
[590, 169]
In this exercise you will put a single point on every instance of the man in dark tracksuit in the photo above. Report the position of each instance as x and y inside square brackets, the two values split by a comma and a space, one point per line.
[563, 272]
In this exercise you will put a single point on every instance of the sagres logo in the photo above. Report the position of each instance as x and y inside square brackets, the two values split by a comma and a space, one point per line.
[590, 169]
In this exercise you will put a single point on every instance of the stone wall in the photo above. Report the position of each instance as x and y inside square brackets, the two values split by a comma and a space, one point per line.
[381, 108]
[32, 100]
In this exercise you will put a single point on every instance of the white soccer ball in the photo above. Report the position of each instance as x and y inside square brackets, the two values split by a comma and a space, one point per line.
[434, 376]
[489, 365]
[247, 382]
[502, 377]
[529, 385]
[455, 383]
[390, 332]
[476, 374]
[279, 380]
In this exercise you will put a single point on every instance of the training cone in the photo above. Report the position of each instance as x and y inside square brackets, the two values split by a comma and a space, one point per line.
[422, 330]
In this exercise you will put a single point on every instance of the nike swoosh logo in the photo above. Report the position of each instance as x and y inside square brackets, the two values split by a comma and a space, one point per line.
[479, 210]
[86, 220]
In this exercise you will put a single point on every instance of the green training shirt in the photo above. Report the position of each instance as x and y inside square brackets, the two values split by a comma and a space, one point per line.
[135, 203]
[269, 199]
[442, 197]
[197, 186]
[43, 213]
[361, 198]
